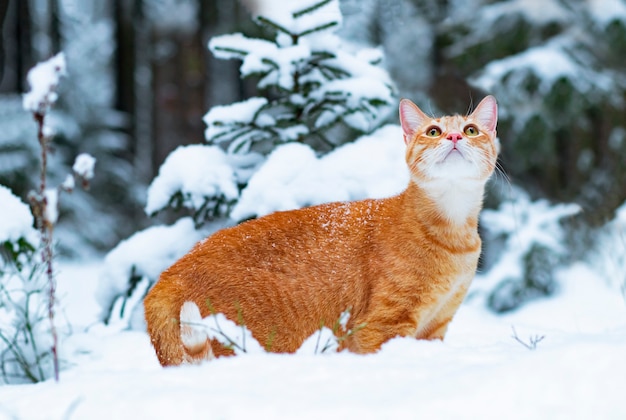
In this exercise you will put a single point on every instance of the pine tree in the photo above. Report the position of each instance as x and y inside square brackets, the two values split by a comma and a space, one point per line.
[312, 85]
[316, 93]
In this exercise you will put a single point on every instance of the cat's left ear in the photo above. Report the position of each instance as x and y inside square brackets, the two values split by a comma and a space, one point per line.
[486, 113]
[411, 119]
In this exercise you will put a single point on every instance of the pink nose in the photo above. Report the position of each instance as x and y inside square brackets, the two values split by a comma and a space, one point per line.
[454, 137]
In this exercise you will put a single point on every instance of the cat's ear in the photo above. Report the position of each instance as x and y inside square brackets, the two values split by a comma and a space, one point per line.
[486, 113]
[411, 118]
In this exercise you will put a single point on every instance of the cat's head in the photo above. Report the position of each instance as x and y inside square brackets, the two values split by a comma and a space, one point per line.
[451, 147]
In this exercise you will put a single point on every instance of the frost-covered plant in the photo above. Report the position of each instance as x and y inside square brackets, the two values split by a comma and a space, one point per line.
[29, 348]
[524, 246]
[24, 351]
[312, 83]
[44, 80]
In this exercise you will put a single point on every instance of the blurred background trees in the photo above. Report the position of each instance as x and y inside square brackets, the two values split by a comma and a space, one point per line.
[141, 78]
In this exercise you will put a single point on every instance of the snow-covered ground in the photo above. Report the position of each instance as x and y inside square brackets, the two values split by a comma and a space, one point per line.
[578, 370]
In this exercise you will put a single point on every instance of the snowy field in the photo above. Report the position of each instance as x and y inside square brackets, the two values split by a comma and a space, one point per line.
[578, 370]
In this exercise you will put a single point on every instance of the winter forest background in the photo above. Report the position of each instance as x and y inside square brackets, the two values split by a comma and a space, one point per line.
[142, 81]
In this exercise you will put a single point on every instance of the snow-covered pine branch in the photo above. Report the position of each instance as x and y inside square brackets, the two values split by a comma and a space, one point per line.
[199, 178]
[528, 237]
[315, 85]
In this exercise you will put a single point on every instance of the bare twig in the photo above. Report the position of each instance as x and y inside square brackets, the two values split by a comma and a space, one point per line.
[532, 340]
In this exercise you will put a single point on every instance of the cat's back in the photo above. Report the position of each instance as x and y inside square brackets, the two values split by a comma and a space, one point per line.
[339, 227]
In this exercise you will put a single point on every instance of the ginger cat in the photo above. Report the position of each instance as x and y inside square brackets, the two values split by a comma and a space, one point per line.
[402, 265]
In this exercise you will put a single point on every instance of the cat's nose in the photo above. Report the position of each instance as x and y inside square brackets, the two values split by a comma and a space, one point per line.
[454, 137]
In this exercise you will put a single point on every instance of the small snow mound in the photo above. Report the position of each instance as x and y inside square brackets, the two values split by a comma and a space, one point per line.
[293, 177]
[197, 172]
[16, 221]
[266, 190]
[219, 117]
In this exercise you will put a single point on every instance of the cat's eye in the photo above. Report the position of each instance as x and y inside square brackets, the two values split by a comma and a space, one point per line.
[433, 131]
[471, 130]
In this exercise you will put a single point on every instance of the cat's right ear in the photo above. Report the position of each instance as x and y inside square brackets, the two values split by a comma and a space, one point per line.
[411, 119]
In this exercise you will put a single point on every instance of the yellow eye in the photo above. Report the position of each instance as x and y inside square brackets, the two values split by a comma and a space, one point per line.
[471, 130]
[433, 131]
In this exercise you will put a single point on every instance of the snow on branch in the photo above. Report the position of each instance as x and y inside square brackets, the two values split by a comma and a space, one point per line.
[195, 177]
[313, 83]
[84, 165]
[44, 80]
[300, 17]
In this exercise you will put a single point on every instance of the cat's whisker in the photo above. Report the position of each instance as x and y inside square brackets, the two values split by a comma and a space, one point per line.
[499, 172]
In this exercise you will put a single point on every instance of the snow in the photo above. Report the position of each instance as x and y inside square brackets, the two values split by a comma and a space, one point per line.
[288, 16]
[536, 11]
[197, 172]
[43, 80]
[84, 166]
[69, 183]
[607, 11]
[576, 372]
[16, 221]
[312, 66]
[293, 176]
[479, 371]
[51, 211]
[548, 62]
[523, 223]
[219, 117]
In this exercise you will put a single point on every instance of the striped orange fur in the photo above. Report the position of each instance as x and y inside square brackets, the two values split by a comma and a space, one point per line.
[401, 264]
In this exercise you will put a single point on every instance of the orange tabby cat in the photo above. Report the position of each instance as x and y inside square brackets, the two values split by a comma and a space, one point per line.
[402, 265]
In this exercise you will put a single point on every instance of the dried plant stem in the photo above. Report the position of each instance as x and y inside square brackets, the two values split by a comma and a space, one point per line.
[45, 227]
[532, 341]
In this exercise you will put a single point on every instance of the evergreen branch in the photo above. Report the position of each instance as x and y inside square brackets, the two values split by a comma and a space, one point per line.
[310, 9]
[333, 73]
[319, 28]
[231, 50]
[272, 24]
[219, 137]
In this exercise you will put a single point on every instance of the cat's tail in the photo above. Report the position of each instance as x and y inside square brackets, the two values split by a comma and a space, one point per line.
[174, 329]
[193, 336]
